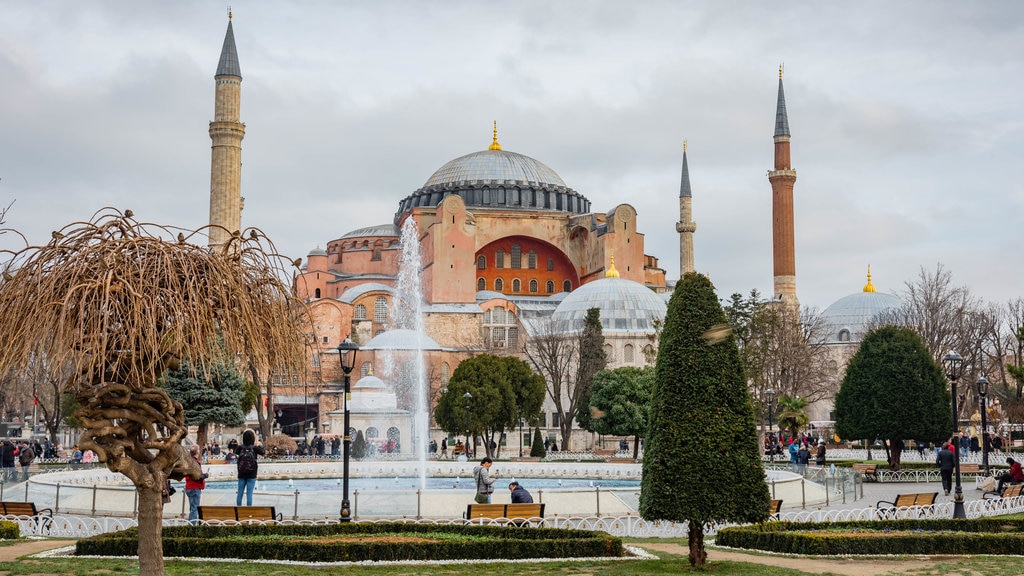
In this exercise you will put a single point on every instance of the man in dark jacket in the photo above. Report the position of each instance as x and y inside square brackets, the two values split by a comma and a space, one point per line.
[519, 494]
[946, 461]
[7, 460]
[25, 457]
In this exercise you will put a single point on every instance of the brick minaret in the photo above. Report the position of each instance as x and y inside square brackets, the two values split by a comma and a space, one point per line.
[686, 226]
[227, 132]
[782, 179]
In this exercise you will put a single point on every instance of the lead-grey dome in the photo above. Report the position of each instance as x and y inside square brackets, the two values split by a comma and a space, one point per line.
[626, 306]
[848, 319]
[499, 165]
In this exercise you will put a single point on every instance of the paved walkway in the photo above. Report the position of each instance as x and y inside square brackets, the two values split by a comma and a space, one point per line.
[876, 491]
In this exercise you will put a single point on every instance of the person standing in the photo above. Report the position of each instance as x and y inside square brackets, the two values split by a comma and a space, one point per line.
[444, 447]
[194, 488]
[8, 458]
[484, 481]
[247, 466]
[819, 456]
[965, 445]
[25, 457]
[803, 458]
[946, 461]
[520, 495]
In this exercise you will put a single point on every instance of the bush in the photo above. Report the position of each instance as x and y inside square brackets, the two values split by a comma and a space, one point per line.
[328, 542]
[278, 445]
[9, 530]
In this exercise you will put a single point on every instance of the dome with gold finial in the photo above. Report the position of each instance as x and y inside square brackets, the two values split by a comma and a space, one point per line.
[849, 318]
[499, 179]
[625, 306]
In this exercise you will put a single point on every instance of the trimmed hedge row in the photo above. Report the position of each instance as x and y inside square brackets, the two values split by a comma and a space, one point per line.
[908, 536]
[9, 530]
[307, 542]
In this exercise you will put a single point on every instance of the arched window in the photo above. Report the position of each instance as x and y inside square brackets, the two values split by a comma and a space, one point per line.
[446, 374]
[609, 353]
[517, 256]
[360, 313]
[499, 259]
[551, 264]
[372, 432]
[517, 286]
[498, 315]
[317, 292]
[844, 335]
[648, 354]
[380, 310]
[376, 255]
[531, 260]
[567, 286]
[481, 262]
[498, 285]
[481, 284]
[533, 286]
[550, 287]
[627, 354]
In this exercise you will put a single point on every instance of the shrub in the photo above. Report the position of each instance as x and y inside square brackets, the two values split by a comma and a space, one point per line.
[9, 530]
[279, 445]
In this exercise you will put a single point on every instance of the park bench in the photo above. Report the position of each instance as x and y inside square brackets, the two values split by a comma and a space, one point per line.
[239, 514]
[972, 468]
[518, 514]
[921, 499]
[1011, 491]
[43, 517]
[774, 508]
[867, 470]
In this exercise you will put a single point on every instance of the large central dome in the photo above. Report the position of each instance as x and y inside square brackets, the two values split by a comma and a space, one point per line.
[500, 180]
[504, 167]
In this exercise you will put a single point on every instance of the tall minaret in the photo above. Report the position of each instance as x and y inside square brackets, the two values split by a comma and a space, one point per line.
[227, 132]
[782, 179]
[686, 226]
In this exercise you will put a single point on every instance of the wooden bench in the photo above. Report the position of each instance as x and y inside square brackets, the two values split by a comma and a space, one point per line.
[1011, 491]
[921, 499]
[974, 469]
[867, 470]
[239, 514]
[44, 517]
[518, 514]
[774, 508]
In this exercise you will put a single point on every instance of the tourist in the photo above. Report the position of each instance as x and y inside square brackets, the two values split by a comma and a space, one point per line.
[9, 455]
[25, 457]
[803, 458]
[194, 488]
[819, 456]
[519, 494]
[793, 449]
[484, 481]
[997, 444]
[444, 447]
[1014, 476]
[88, 456]
[965, 445]
[554, 446]
[247, 466]
[76, 457]
[946, 461]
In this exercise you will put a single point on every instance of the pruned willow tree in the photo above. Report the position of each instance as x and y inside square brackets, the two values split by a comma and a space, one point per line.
[121, 301]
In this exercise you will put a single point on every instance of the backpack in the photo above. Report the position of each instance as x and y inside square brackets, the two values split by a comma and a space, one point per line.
[246, 461]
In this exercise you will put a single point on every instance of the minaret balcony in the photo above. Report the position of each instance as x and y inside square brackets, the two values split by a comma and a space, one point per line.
[782, 174]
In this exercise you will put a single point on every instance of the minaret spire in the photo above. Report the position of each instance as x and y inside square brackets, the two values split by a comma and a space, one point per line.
[685, 226]
[226, 132]
[782, 179]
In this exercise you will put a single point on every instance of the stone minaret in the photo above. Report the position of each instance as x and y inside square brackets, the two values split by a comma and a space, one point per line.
[782, 179]
[686, 226]
[227, 132]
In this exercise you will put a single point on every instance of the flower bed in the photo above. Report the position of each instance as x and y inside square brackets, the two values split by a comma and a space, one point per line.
[362, 541]
[927, 536]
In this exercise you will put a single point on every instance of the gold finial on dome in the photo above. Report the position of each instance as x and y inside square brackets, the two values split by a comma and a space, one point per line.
[369, 371]
[494, 143]
[869, 287]
[612, 272]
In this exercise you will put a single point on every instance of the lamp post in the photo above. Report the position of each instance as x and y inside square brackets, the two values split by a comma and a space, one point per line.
[522, 440]
[770, 393]
[953, 364]
[347, 356]
[982, 384]
[469, 398]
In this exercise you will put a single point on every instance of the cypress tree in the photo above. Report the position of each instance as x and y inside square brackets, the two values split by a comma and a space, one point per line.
[702, 461]
[358, 448]
[537, 448]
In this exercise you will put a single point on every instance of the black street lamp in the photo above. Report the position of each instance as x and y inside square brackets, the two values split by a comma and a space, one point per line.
[522, 440]
[347, 356]
[469, 398]
[771, 408]
[982, 384]
[953, 364]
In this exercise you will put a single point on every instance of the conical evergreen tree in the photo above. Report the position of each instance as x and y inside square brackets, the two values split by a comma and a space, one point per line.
[702, 462]
[358, 448]
[537, 448]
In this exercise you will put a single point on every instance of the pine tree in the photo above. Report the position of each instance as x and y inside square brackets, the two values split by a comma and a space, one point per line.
[702, 461]
[537, 448]
[211, 397]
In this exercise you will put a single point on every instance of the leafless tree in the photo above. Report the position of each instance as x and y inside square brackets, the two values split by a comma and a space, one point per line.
[555, 356]
[118, 302]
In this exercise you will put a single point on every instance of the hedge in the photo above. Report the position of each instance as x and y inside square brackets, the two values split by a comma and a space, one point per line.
[9, 530]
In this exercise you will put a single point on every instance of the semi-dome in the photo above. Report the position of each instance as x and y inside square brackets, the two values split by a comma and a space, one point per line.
[374, 231]
[848, 319]
[626, 306]
[496, 178]
[401, 339]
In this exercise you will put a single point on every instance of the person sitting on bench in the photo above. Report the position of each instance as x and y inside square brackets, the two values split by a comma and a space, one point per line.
[519, 494]
[1014, 476]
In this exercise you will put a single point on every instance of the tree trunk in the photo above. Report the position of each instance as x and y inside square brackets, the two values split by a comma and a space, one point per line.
[636, 447]
[202, 435]
[698, 555]
[893, 450]
[151, 546]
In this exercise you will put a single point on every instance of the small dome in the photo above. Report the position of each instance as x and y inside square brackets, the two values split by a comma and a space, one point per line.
[626, 306]
[401, 339]
[373, 231]
[848, 318]
[318, 251]
[370, 382]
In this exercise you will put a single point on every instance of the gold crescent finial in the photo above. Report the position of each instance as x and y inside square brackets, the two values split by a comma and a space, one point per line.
[229, 12]
[494, 143]
[781, 66]
[869, 287]
[612, 272]
[684, 146]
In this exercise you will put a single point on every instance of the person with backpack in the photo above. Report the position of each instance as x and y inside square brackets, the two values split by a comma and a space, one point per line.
[25, 457]
[247, 452]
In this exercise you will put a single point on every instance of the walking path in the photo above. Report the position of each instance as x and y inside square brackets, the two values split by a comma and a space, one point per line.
[26, 547]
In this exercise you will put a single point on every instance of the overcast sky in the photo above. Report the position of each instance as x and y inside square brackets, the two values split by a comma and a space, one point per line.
[907, 121]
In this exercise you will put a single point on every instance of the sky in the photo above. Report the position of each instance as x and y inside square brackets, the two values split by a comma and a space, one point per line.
[907, 121]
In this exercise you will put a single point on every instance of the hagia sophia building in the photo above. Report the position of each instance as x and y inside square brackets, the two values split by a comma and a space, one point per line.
[509, 252]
